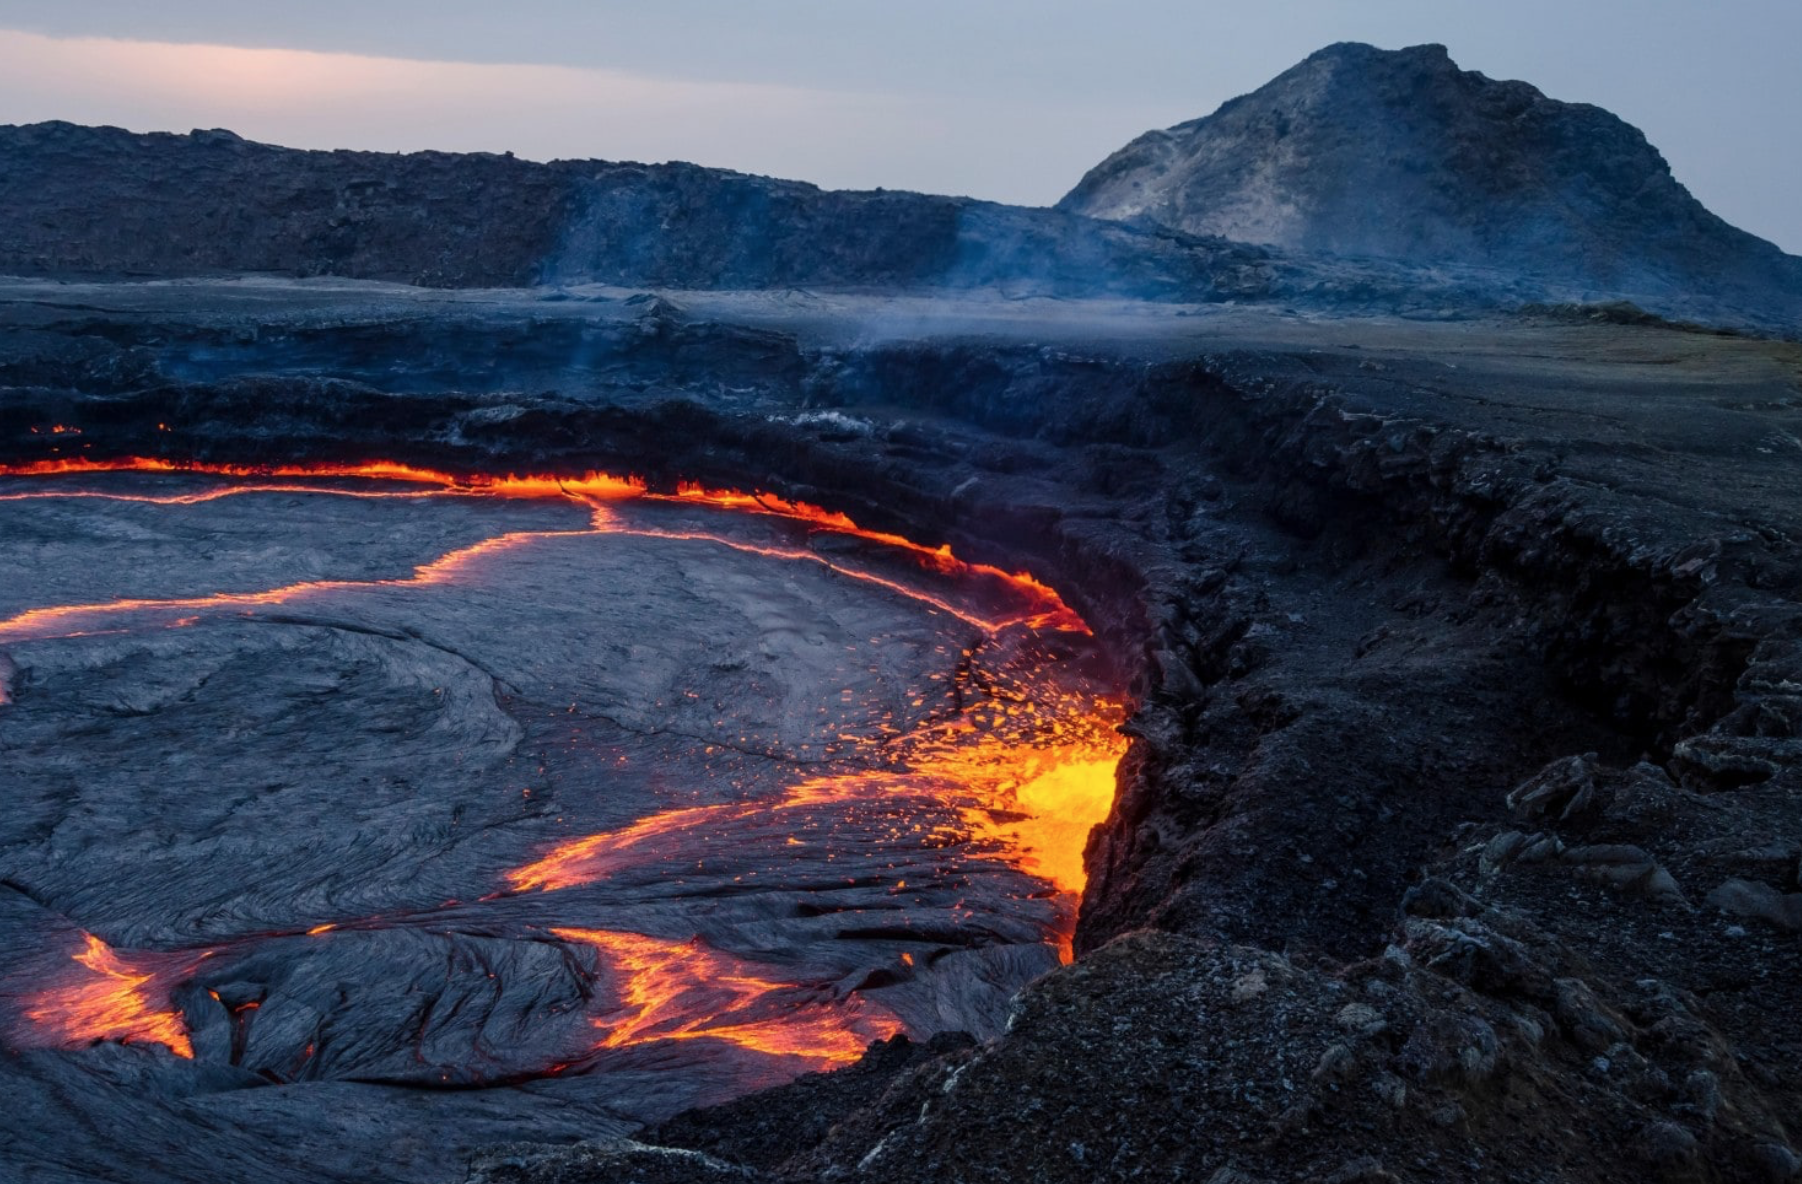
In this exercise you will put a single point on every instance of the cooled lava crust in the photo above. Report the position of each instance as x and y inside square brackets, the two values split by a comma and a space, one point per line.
[1460, 671]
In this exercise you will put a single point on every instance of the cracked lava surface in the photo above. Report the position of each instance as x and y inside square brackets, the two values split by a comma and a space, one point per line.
[366, 774]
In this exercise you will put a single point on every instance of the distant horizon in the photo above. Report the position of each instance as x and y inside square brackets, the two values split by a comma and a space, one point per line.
[1011, 102]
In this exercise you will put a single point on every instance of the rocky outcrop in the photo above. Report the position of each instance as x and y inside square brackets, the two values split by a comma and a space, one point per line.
[1443, 1057]
[1402, 155]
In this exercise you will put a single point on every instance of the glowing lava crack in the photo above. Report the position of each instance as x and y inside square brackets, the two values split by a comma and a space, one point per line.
[114, 997]
[683, 991]
[1011, 764]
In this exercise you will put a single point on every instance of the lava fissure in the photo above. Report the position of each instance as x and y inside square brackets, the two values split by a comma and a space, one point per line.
[682, 990]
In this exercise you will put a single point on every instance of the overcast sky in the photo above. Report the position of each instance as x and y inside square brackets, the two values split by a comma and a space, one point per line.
[1003, 99]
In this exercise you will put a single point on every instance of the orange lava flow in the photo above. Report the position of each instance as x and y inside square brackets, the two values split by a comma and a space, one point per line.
[683, 990]
[114, 999]
[1049, 610]
[1029, 773]
[585, 860]
[213, 495]
[796, 554]
[1031, 805]
[379, 470]
[1064, 787]
[1020, 783]
[42, 622]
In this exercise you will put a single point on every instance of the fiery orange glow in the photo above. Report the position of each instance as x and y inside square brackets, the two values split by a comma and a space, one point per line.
[1062, 804]
[1029, 773]
[213, 495]
[585, 860]
[1050, 613]
[1031, 806]
[381, 470]
[115, 998]
[38, 623]
[1048, 609]
[1022, 783]
[1015, 766]
[682, 990]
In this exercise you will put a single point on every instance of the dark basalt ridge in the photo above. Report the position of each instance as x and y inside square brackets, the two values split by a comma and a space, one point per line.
[102, 201]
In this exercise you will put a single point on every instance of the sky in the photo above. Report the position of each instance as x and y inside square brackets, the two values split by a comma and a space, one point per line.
[1004, 99]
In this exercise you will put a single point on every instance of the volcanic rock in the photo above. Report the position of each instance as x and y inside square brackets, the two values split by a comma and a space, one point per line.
[602, 1163]
[1401, 155]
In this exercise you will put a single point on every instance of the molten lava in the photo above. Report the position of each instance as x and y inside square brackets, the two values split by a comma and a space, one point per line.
[116, 998]
[585, 860]
[1049, 610]
[43, 622]
[1027, 791]
[670, 990]
[1014, 766]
